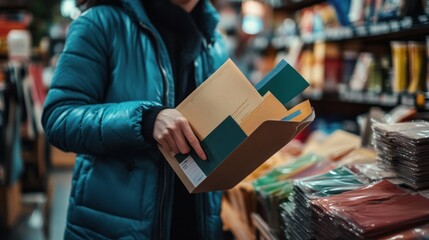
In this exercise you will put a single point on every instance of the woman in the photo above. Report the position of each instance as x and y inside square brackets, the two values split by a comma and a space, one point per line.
[125, 66]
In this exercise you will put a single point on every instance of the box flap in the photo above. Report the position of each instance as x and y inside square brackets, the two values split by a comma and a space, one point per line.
[283, 81]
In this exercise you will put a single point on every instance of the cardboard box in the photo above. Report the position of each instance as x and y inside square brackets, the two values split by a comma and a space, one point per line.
[239, 125]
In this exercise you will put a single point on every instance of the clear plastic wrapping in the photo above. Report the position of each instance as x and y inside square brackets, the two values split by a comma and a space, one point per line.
[371, 212]
[404, 148]
[298, 219]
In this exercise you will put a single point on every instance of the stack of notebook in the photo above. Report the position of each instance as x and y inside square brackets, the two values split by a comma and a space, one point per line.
[297, 217]
[404, 147]
[276, 185]
[378, 210]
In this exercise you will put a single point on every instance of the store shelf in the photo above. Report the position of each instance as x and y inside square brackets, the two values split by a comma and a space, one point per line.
[12, 6]
[293, 5]
[389, 100]
[380, 99]
[406, 27]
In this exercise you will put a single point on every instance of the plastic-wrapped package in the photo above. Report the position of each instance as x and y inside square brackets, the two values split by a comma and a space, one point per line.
[287, 171]
[404, 147]
[373, 171]
[334, 182]
[371, 212]
[275, 187]
[420, 232]
[297, 217]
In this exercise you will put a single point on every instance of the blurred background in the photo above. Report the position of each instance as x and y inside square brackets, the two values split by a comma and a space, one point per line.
[366, 61]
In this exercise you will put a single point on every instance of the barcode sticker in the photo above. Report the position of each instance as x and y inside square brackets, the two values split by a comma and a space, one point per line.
[192, 171]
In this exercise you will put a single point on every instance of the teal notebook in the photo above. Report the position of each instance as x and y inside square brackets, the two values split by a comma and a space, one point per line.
[283, 81]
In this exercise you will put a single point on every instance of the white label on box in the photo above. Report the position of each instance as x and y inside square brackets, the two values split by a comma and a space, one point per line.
[192, 171]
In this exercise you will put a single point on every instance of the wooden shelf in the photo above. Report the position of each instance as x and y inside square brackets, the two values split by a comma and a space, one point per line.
[291, 6]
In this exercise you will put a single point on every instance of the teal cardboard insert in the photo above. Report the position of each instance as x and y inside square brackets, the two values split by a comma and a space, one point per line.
[284, 82]
[224, 139]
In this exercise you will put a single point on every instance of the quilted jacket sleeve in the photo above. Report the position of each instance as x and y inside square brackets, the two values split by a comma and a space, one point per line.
[74, 116]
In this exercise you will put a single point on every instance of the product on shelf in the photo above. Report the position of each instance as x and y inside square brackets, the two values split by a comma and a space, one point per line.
[342, 10]
[427, 64]
[420, 232]
[297, 218]
[373, 171]
[359, 78]
[276, 186]
[356, 12]
[358, 156]
[349, 61]
[404, 147]
[388, 9]
[416, 53]
[335, 146]
[400, 63]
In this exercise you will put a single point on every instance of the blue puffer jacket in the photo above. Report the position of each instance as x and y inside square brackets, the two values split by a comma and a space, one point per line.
[114, 67]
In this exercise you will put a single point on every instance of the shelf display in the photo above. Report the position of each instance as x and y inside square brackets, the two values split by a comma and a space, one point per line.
[293, 200]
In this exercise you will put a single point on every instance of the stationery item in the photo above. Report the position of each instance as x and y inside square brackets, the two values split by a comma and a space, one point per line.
[403, 147]
[270, 109]
[342, 8]
[373, 171]
[375, 78]
[399, 55]
[420, 232]
[359, 78]
[226, 93]
[276, 186]
[305, 67]
[349, 62]
[297, 217]
[326, 71]
[356, 12]
[358, 156]
[370, 212]
[337, 145]
[390, 9]
[427, 62]
[416, 54]
[235, 123]
[331, 183]
[287, 171]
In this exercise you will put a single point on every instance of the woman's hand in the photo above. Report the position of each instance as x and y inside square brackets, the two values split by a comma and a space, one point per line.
[173, 132]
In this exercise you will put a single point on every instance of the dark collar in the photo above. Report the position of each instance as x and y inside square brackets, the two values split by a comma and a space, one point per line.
[207, 21]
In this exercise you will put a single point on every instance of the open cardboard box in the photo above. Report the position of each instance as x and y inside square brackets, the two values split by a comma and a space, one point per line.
[239, 125]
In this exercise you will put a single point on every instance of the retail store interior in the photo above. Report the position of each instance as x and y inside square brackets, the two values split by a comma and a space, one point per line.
[360, 170]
